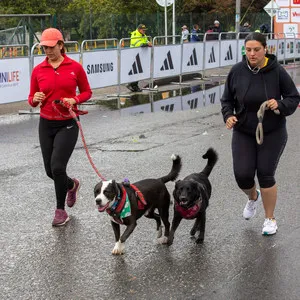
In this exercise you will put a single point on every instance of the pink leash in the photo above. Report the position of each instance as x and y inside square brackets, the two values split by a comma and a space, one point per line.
[66, 106]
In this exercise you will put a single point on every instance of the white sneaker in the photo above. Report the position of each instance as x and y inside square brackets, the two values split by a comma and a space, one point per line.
[270, 227]
[250, 208]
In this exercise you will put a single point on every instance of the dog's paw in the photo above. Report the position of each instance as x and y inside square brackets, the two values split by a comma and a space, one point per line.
[200, 239]
[159, 232]
[193, 231]
[170, 241]
[119, 248]
[162, 240]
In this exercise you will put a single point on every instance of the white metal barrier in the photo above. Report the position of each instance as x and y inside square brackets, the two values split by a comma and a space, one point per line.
[134, 63]
[115, 64]
[101, 65]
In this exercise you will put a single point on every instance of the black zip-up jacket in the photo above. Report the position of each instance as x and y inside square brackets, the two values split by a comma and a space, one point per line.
[245, 92]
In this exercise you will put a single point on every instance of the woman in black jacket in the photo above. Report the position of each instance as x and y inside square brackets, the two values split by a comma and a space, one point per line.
[257, 79]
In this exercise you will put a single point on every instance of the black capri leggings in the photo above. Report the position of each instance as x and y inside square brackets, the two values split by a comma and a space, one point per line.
[249, 157]
[58, 140]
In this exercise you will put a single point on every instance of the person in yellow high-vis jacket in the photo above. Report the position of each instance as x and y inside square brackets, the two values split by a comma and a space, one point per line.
[138, 39]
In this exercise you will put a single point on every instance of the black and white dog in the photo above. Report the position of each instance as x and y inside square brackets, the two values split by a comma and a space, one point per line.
[192, 196]
[127, 202]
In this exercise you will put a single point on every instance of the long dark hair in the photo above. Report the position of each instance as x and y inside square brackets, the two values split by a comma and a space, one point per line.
[256, 36]
[63, 49]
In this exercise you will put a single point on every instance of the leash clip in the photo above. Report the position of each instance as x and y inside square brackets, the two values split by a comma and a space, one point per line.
[126, 182]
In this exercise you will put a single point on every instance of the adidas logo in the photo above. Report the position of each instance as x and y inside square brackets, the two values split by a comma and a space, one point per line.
[229, 55]
[212, 58]
[193, 59]
[212, 98]
[168, 108]
[168, 63]
[193, 103]
[136, 66]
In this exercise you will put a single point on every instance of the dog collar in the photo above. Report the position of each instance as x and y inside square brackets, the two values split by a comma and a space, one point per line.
[121, 207]
[188, 213]
[118, 205]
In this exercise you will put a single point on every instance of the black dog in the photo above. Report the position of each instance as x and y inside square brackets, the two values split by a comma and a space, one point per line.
[128, 202]
[192, 196]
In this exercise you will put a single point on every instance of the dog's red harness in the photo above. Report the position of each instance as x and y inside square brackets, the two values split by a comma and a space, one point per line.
[141, 200]
[188, 213]
[115, 213]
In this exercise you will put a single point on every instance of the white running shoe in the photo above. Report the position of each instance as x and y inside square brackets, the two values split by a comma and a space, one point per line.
[250, 208]
[270, 227]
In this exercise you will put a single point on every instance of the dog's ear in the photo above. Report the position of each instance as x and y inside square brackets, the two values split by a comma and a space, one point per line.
[176, 190]
[116, 188]
[176, 183]
[97, 188]
[201, 191]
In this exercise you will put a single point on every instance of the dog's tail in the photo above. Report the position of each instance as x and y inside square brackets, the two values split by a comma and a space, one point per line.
[212, 157]
[175, 169]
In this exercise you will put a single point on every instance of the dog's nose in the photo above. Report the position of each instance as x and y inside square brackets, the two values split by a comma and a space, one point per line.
[182, 198]
[98, 201]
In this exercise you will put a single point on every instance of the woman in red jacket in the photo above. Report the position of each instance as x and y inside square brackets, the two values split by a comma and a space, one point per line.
[58, 77]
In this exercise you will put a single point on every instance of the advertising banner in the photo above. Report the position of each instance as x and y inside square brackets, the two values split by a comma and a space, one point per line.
[101, 67]
[290, 48]
[135, 64]
[14, 79]
[228, 53]
[212, 54]
[272, 46]
[192, 60]
[166, 61]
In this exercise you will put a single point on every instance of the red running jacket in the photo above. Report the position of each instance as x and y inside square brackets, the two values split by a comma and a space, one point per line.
[58, 83]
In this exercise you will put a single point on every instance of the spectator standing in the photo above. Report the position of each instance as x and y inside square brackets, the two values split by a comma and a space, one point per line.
[138, 39]
[185, 34]
[210, 35]
[195, 33]
[258, 79]
[58, 77]
[217, 26]
[264, 28]
[245, 29]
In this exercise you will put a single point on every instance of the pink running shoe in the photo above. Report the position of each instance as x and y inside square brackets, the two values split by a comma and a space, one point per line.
[61, 217]
[72, 194]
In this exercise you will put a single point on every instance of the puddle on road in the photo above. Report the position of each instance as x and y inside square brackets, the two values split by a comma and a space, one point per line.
[174, 99]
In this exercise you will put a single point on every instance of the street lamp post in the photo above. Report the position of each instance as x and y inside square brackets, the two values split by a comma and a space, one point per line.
[237, 15]
[173, 32]
[90, 15]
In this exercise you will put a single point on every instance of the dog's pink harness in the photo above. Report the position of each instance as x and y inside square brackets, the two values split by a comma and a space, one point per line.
[188, 213]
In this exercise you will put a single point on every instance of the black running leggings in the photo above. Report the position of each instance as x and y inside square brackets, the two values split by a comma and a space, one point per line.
[250, 158]
[58, 140]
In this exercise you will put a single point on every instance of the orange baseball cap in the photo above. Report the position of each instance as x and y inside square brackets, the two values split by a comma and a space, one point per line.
[50, 37]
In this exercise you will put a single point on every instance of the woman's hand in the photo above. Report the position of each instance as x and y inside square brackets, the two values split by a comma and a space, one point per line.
[38, 97]
[231, 121]
[272, 104]
[71, 101]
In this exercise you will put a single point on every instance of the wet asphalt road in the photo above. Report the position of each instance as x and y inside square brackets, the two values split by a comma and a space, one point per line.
[75, 262]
